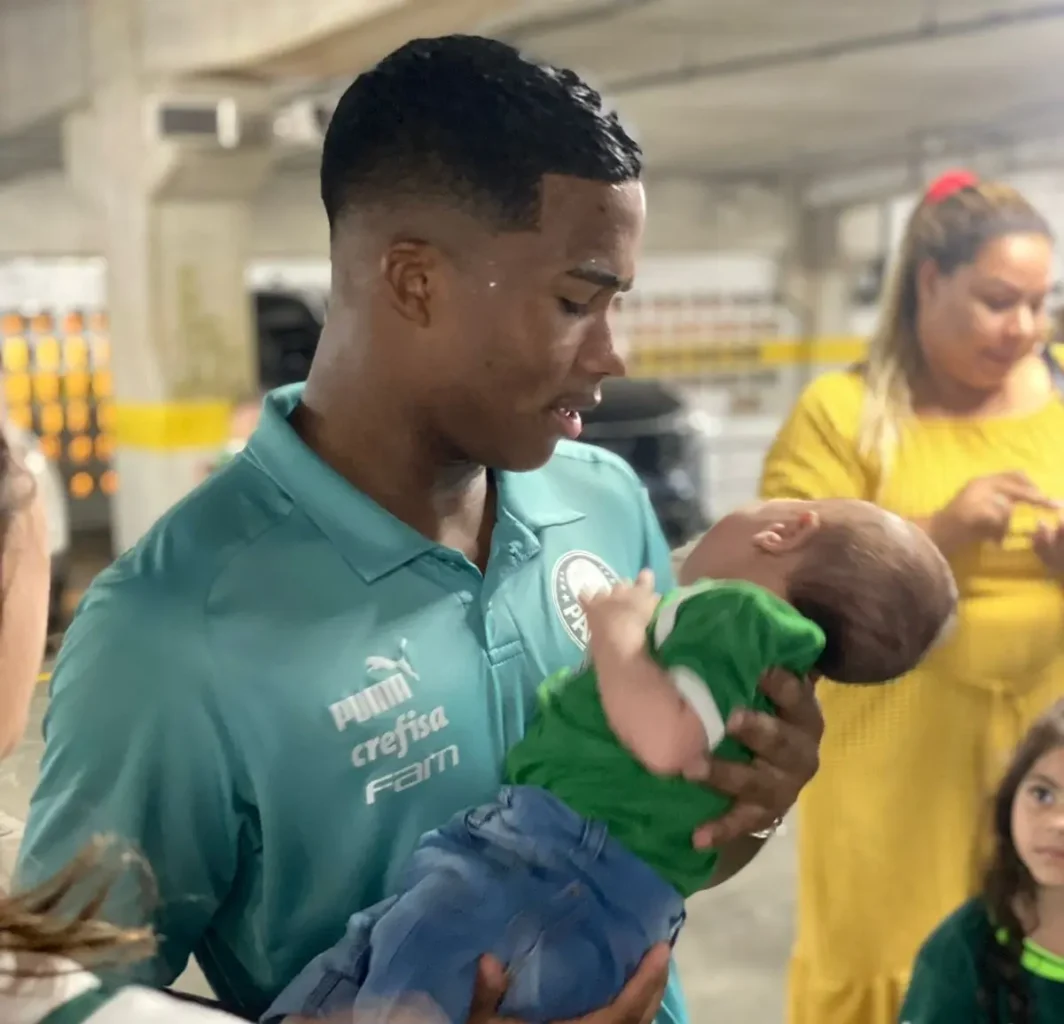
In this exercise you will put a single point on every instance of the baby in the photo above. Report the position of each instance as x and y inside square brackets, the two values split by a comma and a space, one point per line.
[584, 860]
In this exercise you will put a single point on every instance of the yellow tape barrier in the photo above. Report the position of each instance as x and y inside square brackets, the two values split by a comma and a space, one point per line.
[167, 426]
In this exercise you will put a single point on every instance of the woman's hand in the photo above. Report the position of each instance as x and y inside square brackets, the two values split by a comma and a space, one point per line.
[1049, 546]
[982, 510]
[786, 751]
[638, 1002]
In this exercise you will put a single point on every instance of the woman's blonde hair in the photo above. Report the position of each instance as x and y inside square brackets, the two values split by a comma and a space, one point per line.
[41, 920]
[61, 918]
[950, 231]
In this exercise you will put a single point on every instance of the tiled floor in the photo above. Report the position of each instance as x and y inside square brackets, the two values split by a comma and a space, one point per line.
[732, 952]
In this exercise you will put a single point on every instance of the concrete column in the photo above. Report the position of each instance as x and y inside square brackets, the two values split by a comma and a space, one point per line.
[819, 275]
[175, 224]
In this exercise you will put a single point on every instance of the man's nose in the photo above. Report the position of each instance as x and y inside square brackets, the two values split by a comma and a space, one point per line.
[600, 355]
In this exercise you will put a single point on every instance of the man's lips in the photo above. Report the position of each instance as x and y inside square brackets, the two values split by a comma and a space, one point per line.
[569, 420]
[578, 401]
[567, 412]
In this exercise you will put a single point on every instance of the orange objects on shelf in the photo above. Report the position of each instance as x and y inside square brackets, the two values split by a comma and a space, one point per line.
[77, 417]
[12, 323]
[73, 323]
[21, 416]
[97, 322]
[105, 416]
[80, 449]
[105, 447]
[109, 482]
[101, 352]
[76, 384]
[16, 354]
[46, 387]
[46, 354]
[17, 389]
[51, 419]
[101, 383]
[51, 447]
[76, 352]
[42, 323]
[82, 485]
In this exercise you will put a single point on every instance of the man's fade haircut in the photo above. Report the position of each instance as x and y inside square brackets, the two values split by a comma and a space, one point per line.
[468, 120]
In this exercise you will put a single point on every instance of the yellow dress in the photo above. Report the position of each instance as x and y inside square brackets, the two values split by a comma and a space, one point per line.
[891, 832]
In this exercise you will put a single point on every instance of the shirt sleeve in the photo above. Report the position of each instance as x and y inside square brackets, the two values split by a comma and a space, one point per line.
[718, 642]
[944, 988]
[712, 643]
[134, 750]
[815, 454]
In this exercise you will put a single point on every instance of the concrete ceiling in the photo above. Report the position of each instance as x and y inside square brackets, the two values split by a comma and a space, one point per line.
[748, 87]
[756, 89]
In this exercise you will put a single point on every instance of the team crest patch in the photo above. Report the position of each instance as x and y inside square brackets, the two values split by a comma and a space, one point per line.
[574, 574]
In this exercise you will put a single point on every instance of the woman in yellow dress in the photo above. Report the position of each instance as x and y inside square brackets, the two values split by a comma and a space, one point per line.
[956, 421]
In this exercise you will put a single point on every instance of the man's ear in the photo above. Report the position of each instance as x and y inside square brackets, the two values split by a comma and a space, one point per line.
[788, 535]
[413, 279]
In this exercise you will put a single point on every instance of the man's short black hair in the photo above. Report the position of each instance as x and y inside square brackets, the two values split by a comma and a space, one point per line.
[468, 120]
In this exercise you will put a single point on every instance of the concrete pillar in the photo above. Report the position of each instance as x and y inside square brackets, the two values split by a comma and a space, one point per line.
[175, 224]
[818, 274]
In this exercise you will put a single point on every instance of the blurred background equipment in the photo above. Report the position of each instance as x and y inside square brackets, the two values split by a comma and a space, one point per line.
[651, 427]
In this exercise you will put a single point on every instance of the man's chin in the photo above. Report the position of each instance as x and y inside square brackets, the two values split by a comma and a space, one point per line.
[524, 458]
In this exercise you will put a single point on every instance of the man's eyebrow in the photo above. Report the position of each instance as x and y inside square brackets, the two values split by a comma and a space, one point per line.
[601, 278]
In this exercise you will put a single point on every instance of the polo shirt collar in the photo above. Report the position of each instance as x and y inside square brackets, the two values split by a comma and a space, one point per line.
[369, 538]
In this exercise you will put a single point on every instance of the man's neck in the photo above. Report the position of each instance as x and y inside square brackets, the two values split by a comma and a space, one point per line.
[384, 450]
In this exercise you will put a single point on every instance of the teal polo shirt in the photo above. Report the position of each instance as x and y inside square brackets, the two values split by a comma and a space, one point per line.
[281, 687]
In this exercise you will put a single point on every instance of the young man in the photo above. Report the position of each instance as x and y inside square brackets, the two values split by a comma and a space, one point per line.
[327, 649]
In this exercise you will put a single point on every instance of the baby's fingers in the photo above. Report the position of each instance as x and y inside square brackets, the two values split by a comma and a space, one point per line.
[645, 580]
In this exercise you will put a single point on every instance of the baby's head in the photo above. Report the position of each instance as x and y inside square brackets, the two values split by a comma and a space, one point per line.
[875, 584]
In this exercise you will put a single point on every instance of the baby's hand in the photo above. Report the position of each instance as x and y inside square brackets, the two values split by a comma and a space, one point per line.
[617, 618]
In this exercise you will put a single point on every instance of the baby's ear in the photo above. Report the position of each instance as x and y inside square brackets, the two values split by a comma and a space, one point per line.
[788, 534]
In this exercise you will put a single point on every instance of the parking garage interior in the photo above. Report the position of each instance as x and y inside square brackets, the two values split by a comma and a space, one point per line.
[164, 260]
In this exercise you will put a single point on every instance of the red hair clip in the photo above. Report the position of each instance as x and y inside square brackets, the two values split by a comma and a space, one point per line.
[949, 184]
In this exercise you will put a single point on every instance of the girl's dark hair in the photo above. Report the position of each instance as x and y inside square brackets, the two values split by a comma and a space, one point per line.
[1009, 886]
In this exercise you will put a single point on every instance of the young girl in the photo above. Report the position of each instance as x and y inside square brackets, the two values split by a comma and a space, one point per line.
[1000, 958]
